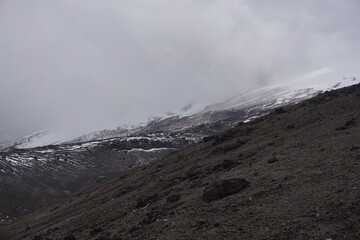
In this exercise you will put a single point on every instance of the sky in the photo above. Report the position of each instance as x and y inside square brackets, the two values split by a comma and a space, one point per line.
[99, 64]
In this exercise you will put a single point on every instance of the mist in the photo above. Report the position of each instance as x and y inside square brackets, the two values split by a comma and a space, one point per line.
[100, 64]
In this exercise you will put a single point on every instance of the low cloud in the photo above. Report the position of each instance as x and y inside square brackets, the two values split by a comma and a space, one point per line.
[99, 64]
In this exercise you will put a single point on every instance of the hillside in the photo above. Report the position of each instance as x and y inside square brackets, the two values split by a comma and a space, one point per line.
[190, 118]
[292, 174]
[34, 177]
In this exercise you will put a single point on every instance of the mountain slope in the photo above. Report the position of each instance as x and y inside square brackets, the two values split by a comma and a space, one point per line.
[292, 174]
[240, 108]
[33, 177]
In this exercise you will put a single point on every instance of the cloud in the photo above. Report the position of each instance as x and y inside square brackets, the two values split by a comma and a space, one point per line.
[98, 64]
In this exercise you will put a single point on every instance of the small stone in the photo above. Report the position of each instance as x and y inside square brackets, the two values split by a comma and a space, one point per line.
[280, 110]
[70, 237]
[350, 122]
[173, 198]
[224, 165]
[241, 124]
[216, 225]
[96, 230]
[273, 160]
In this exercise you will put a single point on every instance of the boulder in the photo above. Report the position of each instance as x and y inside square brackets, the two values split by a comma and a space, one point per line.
[224, 188]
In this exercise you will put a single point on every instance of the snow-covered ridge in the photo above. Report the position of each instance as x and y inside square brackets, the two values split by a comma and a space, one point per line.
[193, 115]
[56, 171]
[21, 160]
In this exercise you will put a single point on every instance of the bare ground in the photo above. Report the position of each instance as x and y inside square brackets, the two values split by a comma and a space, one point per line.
[302, 164]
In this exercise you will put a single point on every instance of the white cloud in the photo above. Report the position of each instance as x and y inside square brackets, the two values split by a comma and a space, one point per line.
[101, 63]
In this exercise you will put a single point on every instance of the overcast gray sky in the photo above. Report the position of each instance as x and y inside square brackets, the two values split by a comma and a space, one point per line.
[102, 63]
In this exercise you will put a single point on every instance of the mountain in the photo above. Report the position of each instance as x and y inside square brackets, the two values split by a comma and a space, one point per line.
[291, 174]
[31, 178]
[34, 173]
[240, 108]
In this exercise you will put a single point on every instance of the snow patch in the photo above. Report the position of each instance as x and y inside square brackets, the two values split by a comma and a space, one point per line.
[149, 150]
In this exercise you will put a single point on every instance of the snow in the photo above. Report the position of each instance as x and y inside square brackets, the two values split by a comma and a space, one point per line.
[81, 146]
[195, 108]
[19, 161]
[291, 91]
[45, 151]
[250, 119]
[48, 137]
[149, 150]
[43, 138]
[164, 138]
[322, 79]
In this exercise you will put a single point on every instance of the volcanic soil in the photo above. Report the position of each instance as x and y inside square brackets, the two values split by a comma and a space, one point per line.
[292, 174]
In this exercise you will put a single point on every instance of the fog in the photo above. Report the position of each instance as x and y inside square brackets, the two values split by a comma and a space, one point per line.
[101, 63]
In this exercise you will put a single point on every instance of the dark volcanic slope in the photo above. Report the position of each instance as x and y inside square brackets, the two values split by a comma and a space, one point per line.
[301, 162]
[33, 178]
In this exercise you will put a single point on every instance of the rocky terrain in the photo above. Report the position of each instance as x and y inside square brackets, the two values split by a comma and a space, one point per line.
[33, 177]
[291, 174]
